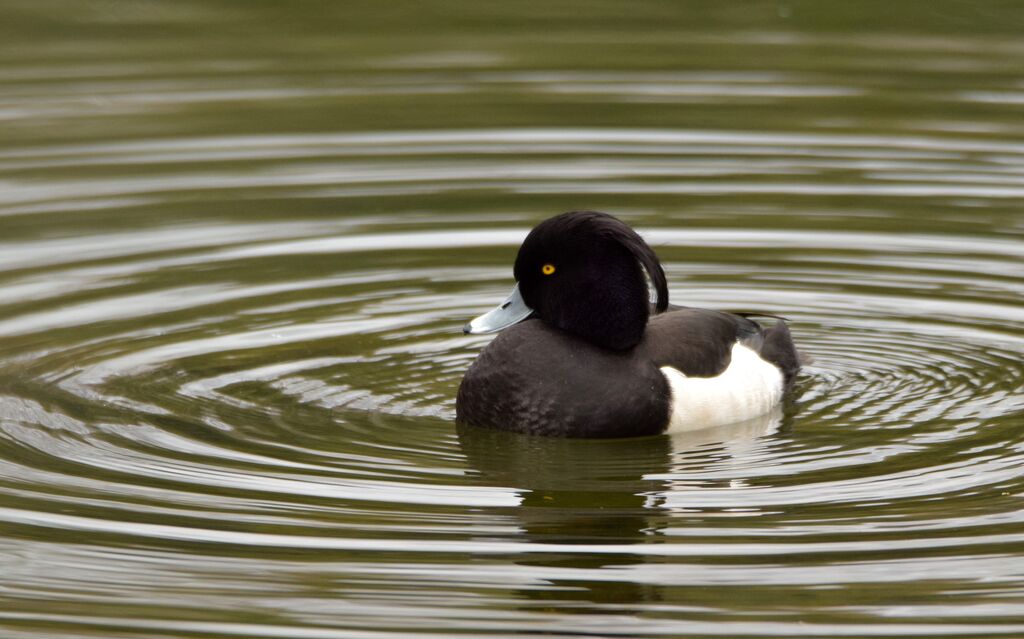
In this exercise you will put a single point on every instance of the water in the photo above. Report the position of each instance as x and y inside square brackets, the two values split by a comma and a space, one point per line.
[239, 241]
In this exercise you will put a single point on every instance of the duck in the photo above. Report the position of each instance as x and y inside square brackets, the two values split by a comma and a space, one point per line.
[583, 351]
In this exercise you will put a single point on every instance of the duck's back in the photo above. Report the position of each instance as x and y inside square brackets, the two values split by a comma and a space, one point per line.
[699, 342]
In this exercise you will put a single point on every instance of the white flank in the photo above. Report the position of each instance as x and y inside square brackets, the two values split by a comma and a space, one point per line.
[749, 387]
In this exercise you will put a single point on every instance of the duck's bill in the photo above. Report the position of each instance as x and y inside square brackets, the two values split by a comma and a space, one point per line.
[512, 311]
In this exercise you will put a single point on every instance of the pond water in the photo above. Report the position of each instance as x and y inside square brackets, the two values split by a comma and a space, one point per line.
[238, 241]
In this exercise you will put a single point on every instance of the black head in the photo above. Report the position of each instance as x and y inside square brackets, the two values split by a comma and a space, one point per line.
[583, 272]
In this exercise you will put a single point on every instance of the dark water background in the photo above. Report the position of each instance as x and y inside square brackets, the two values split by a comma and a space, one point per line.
[238, 240]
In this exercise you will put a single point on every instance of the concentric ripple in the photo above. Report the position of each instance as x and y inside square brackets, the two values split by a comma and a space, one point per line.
[238, 242]
[202, 416]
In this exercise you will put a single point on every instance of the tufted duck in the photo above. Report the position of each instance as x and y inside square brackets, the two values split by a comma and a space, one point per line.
[585, 355]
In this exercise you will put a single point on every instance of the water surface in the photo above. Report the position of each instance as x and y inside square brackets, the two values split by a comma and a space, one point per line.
[238, 242]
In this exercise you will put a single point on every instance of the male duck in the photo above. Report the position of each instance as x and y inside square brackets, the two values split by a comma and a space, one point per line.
[583, 355]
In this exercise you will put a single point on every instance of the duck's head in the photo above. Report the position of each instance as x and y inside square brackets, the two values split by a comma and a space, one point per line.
[582, 272]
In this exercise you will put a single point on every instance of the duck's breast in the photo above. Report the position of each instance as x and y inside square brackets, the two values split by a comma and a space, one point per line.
[536, 379]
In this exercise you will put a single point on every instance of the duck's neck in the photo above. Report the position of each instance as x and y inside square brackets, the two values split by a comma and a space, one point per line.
[612, 317]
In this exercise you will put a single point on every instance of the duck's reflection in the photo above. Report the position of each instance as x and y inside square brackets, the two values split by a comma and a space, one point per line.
[615, 492]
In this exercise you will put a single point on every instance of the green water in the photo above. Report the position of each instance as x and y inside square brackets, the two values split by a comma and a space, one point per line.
[238, 241]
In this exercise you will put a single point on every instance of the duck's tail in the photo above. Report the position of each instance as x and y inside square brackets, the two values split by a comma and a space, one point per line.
[777, 345]
[778, 348]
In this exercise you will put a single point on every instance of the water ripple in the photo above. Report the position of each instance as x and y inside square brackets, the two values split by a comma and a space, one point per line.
[224, 409]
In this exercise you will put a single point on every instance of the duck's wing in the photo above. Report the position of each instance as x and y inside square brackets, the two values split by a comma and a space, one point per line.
[698, 342]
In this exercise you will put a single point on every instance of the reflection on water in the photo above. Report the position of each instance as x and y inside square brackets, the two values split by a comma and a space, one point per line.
[233, 277]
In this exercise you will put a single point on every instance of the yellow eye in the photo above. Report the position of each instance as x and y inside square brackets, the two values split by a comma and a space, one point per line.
[547, 269]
